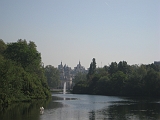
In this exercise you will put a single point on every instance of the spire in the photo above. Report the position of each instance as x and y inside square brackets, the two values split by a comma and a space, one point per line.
[61, 64]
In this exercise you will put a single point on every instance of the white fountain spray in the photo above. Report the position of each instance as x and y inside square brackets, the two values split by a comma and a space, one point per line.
[64, 88]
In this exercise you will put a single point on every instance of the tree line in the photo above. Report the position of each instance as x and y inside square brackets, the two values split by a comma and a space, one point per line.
[22, 74]
[121, 79]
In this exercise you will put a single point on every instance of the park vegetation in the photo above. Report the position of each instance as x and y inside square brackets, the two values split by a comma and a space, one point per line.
[52, 74]
[22, 75]
[121, 79]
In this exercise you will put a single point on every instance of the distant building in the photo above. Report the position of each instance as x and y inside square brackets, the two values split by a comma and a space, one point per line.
[157, 62]
[67, 74]
[79, 69]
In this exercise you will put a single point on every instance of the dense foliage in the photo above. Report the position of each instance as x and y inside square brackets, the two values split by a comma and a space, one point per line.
[121, 79]
[79, 77]
[52, 75]
[21, 72]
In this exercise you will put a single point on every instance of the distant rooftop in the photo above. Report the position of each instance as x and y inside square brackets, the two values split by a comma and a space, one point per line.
[157, 62]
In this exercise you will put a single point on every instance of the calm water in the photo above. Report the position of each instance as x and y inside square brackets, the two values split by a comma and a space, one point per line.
[85, 107]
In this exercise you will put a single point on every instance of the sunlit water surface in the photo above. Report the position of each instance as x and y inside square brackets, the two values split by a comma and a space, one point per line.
[86, 107]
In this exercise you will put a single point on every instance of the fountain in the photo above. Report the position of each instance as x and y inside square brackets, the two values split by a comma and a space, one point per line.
[64, 88]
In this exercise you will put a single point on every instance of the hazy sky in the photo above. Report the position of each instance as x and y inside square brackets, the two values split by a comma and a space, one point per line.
[73, 30]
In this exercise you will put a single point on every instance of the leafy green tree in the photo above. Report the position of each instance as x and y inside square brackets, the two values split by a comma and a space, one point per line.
[134, 85]
[21, 74]
[102, 72]
[106, 68]
[94, 65]
[113, 68]
[81, 88]
[122, 79]
[52, 75]
[152, 83]
[122, 66]
[79, 77]
[3, 46]
[92, 69]
[118, 80]
[153, 66]
[103, 86]
[93, 84]
[24, 54]
[11, 81]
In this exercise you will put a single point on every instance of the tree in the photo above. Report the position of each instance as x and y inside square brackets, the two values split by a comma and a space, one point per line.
[153, 66]
[94, 65]
[103, 86]
[122, 79]
[80, 88]
[93, 84]
[118, 80]
[92, 69]
[152, 83]
[106, 68]
[24, 54]
[134, 85]
[21, 74]
[10, 81]
[113, 68]
[102, 72]
[3, 46]
[79, 77]
[122, 66]
[52, 75]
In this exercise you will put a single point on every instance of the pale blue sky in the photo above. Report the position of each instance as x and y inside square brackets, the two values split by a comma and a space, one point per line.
[73, 30]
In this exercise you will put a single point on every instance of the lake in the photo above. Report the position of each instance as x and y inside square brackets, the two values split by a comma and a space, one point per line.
[85, 107]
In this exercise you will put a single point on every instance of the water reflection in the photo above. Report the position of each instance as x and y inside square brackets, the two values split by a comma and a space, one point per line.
[84, 107]
[103, 107]
[128, 111]
[23, 111]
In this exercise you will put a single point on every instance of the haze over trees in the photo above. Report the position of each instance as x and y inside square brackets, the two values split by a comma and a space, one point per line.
[22, 75]
[121, 79]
